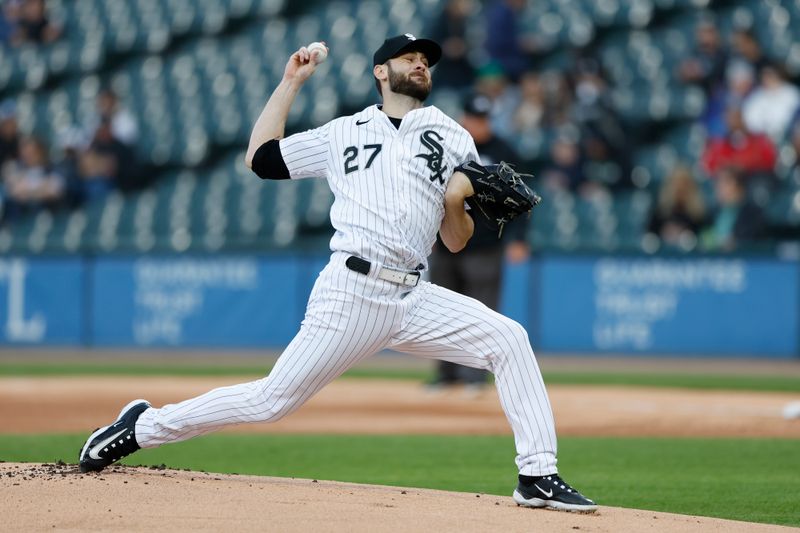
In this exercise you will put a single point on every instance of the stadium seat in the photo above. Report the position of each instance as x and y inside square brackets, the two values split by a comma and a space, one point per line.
[197, 73]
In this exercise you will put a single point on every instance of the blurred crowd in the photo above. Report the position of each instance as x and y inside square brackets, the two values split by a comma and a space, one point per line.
[590, 151]
[83, 164]
[752, 113]
[751, 122]
[26, 22]
[751, 116]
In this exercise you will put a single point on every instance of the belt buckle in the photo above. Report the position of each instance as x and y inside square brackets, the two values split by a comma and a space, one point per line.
[401, 277]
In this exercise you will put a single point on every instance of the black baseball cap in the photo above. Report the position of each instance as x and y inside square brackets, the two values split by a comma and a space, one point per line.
[399, 44]
[477, 104]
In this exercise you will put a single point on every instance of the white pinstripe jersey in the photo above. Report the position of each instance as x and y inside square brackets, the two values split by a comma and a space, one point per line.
[388, 183]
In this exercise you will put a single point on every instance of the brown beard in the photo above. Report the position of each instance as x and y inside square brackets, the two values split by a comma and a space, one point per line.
[400, 84]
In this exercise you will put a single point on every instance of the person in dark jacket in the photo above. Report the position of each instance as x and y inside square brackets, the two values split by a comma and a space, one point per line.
[506, 43]
[454, 69]
[737, 220]
[476, 271]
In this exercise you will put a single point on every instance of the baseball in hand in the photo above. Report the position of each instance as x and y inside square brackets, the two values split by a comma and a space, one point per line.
[321, 51]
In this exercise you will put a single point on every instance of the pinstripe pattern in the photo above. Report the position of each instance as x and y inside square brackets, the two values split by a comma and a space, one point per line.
[387, 211]
[450, 326]
[391, 211]
[350, 317]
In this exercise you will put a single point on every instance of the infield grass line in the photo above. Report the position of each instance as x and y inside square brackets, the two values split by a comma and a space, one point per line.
[766, 383]
[741, 479]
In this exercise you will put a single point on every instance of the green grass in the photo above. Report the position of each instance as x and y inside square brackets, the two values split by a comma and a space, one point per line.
[766, 383]
[769, 383]
[148, 368]
[741, 479]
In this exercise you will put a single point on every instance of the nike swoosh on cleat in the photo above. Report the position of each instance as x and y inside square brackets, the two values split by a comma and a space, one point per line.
[106, 442]
[360, 123]
[548, 494]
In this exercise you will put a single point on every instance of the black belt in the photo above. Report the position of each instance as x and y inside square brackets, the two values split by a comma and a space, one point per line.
[401, 277]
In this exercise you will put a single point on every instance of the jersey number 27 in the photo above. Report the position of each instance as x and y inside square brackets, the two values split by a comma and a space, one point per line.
[351, 156]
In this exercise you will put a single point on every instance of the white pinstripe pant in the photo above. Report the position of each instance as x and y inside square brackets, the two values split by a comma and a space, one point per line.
[351, 316]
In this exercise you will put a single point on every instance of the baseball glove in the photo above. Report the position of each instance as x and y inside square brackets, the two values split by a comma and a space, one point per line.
[501, 195]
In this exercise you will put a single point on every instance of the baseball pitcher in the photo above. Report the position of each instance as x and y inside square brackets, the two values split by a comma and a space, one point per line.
[393, 171]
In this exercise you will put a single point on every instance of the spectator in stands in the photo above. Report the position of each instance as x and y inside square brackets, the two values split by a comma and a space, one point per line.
[737, 219]
[494, 84]
[603, 139]
[29, 181]
[560, 100]
[506, 44]
[450, 28]
[529, 115]
[769, 109]
[706, 65]
[751, 153]
[746, 47]
[793, 172]
[9, 12]
[107, 163]
[794, 139]
[680, 210]
[740, 80]
[542, 100]
[565, 171]
[9, 132]
[72, 145]
[123, 123]
[33, 26]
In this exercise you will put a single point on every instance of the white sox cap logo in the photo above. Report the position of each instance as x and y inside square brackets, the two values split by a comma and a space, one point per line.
[407, 42]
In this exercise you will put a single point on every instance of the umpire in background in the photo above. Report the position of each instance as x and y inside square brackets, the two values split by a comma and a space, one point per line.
[476, 271]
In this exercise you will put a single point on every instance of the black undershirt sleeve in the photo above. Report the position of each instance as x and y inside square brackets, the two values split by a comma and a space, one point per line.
[268, 163]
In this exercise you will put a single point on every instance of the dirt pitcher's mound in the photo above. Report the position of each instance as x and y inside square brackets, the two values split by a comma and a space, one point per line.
[49, 496]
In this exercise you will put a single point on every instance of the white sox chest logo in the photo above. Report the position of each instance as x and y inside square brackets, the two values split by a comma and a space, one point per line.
[430, 140]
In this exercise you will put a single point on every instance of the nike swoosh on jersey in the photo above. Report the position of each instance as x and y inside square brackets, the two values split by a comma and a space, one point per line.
[548, 494]
[360, 123]
[101, 445]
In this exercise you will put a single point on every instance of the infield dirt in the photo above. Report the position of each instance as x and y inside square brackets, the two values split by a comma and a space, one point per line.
[57, 497]
[373, 406]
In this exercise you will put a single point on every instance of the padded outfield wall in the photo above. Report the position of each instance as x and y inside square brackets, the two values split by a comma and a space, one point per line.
[725, 306]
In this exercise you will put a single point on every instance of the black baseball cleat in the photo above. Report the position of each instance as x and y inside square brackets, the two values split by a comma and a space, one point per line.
[111, 443]
[553, 492]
